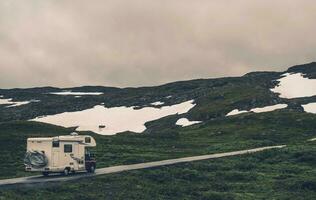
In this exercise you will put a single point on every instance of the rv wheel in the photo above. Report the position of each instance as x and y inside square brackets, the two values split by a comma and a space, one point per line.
[91, 169]
[66, 171]
[45, 173]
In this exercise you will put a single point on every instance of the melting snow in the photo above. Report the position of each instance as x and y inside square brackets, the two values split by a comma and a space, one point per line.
[15, 103]
[185, 122]
[116, 119]
[311, 140]
[310, 108]
[76, 93]
[158, 103]
[258, 110]
[236, 112]
[269, 108]
[295, 86]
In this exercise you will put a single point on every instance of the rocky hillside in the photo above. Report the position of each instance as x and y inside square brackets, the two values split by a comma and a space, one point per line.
[234, 113]
[214, 97]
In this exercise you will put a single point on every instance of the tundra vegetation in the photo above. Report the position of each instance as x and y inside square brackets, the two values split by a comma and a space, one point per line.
[287, 173]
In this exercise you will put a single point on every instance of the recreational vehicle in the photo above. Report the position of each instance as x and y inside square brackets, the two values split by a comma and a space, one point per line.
[63, 154]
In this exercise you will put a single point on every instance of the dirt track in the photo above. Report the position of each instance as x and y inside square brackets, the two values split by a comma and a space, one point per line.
[121, 168]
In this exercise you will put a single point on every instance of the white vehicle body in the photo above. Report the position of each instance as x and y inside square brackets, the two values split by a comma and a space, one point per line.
[62, 152]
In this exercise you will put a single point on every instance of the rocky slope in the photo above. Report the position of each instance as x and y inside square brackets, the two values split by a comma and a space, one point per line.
[279, 175]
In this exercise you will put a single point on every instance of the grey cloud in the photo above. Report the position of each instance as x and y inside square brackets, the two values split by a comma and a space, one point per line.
[149, 42]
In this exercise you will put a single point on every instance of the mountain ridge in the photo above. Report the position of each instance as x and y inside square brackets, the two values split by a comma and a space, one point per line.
[204, 91]
[296, 68]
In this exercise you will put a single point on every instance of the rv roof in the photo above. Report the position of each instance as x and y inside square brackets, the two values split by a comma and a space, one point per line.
[62, 137]
[68, 138]
[40, 139]
[72, 138]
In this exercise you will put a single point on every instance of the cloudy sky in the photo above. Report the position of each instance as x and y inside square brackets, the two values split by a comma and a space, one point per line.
[149, 42]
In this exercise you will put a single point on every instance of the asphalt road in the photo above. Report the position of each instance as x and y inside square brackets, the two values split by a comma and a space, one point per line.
[121, 168]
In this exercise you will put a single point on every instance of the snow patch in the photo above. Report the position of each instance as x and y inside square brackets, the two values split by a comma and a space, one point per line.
[185, 122]
[158, 103]
[258, 110]
[76, 93]
[310, 108]
[311, 140]
[295, 86]
[236, 112]
[269, 108]
[15, 103]
[114, 120]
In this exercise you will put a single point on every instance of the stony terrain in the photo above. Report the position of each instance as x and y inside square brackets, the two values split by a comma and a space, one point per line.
[280, 174]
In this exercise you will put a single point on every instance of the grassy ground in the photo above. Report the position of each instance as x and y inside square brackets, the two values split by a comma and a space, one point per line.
[275, 174]
[162, 139]
[235, 133]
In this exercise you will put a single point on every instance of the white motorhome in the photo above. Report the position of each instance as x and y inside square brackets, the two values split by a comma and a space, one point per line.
[60, 154]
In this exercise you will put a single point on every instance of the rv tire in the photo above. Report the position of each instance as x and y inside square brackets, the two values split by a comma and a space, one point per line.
[91, 169]
[45, 173]
[66, 172]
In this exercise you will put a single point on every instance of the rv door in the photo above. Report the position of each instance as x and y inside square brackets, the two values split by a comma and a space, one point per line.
[75, 156]
[55, 158]
[56, 153]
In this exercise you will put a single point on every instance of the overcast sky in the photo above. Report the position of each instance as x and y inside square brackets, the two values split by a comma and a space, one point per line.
[149, 42]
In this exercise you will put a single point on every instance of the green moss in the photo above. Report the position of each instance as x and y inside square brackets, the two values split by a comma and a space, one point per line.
[274, 174]
[277, 174]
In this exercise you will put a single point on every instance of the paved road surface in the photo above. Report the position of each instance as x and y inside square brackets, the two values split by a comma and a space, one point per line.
[121, 168]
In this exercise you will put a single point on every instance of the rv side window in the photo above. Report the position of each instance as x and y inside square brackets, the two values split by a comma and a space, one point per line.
[87, 140]
[68, 148]
[55, 144]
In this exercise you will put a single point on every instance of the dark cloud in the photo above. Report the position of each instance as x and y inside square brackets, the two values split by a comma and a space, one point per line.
[149, 42]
